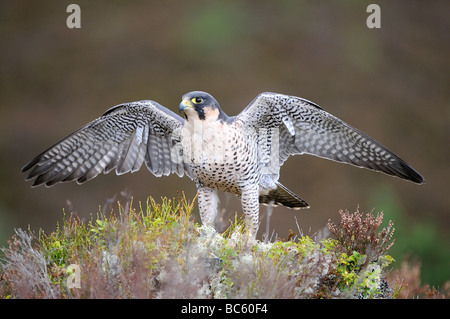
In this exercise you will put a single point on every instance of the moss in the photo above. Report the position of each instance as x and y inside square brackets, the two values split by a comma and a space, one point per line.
[158, 251]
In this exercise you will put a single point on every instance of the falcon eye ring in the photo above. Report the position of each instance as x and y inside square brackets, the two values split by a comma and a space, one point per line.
[197, 100]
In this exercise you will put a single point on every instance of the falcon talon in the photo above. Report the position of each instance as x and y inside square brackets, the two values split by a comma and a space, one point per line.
[241, 155]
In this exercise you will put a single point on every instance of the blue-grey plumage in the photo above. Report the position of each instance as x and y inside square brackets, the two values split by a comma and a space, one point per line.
[240, 155]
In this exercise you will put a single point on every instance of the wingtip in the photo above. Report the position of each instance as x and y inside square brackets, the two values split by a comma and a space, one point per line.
[413, 175]
[419, 180]
[27, 166]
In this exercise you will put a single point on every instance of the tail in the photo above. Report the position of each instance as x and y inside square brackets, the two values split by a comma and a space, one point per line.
[283, 196]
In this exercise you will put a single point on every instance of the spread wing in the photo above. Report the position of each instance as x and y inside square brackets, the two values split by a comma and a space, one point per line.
[121, 139]
[299, 126]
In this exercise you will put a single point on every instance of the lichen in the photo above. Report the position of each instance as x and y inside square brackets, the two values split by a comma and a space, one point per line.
[159, 251]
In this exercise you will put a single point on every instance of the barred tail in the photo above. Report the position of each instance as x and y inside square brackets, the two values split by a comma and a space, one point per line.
[283, 196]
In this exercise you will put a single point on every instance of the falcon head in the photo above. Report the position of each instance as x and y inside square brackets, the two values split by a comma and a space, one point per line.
[198, 105]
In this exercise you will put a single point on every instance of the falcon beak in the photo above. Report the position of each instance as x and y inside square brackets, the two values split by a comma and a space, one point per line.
[184, 105]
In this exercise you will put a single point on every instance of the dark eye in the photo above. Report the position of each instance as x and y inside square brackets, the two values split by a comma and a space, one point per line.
[197, 100]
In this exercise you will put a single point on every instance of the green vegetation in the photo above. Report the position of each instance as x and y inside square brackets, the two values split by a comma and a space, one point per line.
[420, 239]
[158, 251]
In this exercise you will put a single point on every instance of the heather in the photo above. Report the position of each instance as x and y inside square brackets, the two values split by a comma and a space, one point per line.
[157, 250]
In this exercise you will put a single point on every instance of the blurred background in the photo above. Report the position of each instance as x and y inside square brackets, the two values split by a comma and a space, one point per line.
[392, 83]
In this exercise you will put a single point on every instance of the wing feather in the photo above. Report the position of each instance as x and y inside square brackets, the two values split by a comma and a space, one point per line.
[305, 128]
[123, 138]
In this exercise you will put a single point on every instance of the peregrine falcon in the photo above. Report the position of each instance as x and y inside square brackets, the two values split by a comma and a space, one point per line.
[241, 155]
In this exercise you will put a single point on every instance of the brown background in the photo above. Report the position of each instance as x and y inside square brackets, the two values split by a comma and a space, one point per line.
[392, 83]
